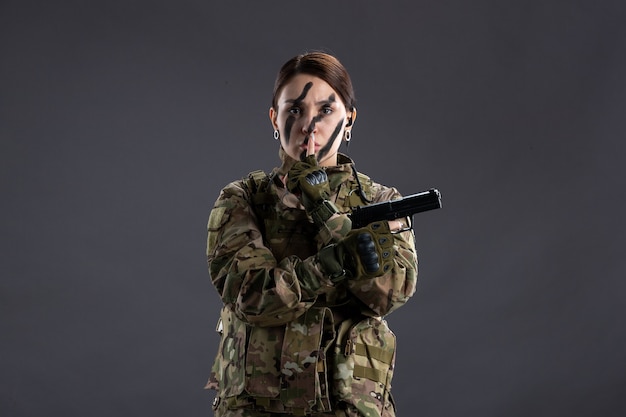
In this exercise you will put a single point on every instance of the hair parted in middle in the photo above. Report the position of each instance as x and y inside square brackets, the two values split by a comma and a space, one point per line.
[321, 65]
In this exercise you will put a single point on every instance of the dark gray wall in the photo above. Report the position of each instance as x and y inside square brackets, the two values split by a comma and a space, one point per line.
[121, 120]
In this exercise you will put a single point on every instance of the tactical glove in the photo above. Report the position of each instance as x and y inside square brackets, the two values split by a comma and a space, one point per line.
[363, 253]
[308, 180]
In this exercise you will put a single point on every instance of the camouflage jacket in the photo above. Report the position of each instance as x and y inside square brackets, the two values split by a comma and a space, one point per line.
[291, 340]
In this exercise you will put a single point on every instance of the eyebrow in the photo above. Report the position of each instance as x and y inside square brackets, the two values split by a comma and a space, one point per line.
[330, 100]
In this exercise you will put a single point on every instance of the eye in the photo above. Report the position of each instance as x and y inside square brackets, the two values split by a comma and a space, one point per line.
[327, 110]
[294, 110]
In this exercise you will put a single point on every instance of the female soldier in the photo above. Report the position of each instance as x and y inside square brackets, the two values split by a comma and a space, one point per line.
[302, 329]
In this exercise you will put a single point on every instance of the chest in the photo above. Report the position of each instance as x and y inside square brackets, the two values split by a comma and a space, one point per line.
[286, 227]
[288, 231]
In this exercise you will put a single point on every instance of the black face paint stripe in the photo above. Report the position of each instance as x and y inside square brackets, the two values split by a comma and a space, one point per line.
[331, 99]
[296, 102]
[326, 149]
[308, 135]
[327, 102]
[312, 126]
[288, 125]
[303, 94]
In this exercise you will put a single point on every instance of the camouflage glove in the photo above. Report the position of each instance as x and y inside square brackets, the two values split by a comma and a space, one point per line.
[309, 181]
[363, 253]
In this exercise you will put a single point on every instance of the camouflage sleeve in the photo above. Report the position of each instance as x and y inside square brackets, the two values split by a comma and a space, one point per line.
[333, 230]
[260, 289]
[386, 293]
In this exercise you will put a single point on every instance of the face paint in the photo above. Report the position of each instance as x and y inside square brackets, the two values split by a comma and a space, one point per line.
[312, 127]
[309, 114]
[326, 149]
[288, 125]
[309, 130]
[296, 102]
[317, 118]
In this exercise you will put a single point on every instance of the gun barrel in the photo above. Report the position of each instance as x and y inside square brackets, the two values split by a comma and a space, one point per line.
[396, 209]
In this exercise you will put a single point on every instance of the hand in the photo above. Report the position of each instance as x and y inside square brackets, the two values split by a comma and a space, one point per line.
[308, 180]
[363, 253]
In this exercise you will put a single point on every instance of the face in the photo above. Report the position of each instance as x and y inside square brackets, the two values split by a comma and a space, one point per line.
[309, 109]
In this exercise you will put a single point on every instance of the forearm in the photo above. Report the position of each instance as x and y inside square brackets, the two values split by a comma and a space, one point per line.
[333, 230]
[386, 293]
[266, 293]
[260, 288]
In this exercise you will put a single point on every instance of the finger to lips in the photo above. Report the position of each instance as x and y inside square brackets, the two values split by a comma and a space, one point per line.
[310, 150]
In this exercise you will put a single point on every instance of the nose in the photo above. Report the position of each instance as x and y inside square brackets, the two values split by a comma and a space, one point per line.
[309, 125]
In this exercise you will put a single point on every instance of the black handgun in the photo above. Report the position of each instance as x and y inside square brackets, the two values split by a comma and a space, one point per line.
[396, 209]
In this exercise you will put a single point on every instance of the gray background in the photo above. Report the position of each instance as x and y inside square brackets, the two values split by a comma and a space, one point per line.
[121, 121]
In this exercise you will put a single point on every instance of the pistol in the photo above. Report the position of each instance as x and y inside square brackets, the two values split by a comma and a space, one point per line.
[396, 209]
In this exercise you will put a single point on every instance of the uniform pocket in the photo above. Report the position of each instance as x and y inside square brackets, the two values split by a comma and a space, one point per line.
[262, 357]
[303, 361]
[227, 373]
[365, 358]
[217, 218]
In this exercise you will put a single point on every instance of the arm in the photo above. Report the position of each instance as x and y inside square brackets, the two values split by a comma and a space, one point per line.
[260, 289]
[386, 293]
[307, 180]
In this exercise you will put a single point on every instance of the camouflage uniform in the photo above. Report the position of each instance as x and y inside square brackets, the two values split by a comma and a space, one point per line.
[292, 341]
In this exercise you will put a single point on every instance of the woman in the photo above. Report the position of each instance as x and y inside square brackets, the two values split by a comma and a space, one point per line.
[302, 329]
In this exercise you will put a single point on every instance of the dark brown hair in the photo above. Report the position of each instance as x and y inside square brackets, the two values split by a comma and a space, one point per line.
[321, 65]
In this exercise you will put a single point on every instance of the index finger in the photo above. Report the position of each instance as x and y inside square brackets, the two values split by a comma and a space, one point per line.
[310, 150]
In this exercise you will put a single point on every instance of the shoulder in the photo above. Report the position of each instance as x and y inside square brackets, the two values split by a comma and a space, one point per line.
[235, 189]
[245, 186]
[377, 192]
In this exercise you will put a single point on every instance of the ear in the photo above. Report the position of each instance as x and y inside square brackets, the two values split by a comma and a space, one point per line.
[273, 114]
[351, 117]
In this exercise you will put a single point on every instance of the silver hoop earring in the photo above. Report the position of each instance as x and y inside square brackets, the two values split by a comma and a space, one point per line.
[348, 135]
[276, 134]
